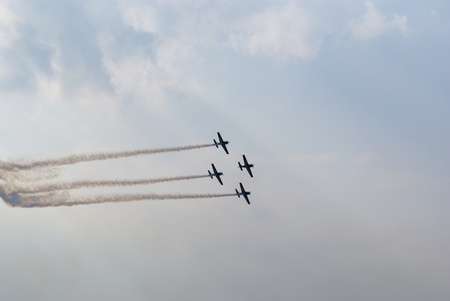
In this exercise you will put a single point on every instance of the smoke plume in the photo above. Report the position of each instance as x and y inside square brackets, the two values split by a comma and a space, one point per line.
[35, 183]
[73, 159]
[30, 189]
[64, 199]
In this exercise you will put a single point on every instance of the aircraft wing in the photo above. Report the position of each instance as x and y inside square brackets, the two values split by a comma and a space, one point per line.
[220, 137]
[225, 148]
[219, 179]
[246, 198]
[249, 171]
[214, 168]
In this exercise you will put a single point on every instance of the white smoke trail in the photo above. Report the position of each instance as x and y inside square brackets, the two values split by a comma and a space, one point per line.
[33, 189]
[63, 199]
[73, 159]
[28, 176]
[56, 194]
[14, 199]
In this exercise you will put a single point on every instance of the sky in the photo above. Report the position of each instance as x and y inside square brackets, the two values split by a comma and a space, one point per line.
[342, 106]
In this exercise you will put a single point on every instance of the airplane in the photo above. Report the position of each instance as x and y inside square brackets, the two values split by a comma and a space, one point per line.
[221, 142]
[216, 174]
[243, 193]
[246, 165]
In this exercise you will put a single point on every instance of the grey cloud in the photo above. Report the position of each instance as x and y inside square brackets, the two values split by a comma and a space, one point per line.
[22, 60]
[55, 39]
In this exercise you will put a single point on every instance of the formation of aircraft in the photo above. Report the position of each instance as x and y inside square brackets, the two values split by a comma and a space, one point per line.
[245, 165]
[216, 174]
[221, 142]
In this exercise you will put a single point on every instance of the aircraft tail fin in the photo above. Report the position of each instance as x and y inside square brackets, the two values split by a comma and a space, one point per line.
[210, 174]
[215, 142]
[240, 166]
[237, 192]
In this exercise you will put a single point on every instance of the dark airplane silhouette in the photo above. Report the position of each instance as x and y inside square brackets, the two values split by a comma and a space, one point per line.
[216, 174]
[221, 142]
[246, 165]
[244, 193]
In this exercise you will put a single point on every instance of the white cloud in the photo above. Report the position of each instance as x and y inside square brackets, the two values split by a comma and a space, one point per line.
[373, 23]
[128, 53]
[150, 79]
[141, 18]
[284, 33]
[7, 26]
[400, 23]
[141, 78]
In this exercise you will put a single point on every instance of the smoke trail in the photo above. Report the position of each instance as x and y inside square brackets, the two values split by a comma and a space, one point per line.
[14, 199]
[87, 184]
[57, 200]
[28, 176]
[73, 159]
[56, 194]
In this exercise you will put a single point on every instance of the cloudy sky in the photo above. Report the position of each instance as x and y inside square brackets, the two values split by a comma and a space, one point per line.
[341, 105]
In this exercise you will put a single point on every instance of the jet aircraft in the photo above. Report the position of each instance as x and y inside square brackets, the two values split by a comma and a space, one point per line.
[243, 193]
[216, 174]
[246, 165]
[221, 142]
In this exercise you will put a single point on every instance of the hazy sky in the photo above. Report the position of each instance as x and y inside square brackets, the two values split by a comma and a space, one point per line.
[342, 105]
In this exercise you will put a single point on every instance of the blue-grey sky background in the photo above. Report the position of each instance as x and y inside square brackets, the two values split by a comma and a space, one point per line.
[341, 105]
